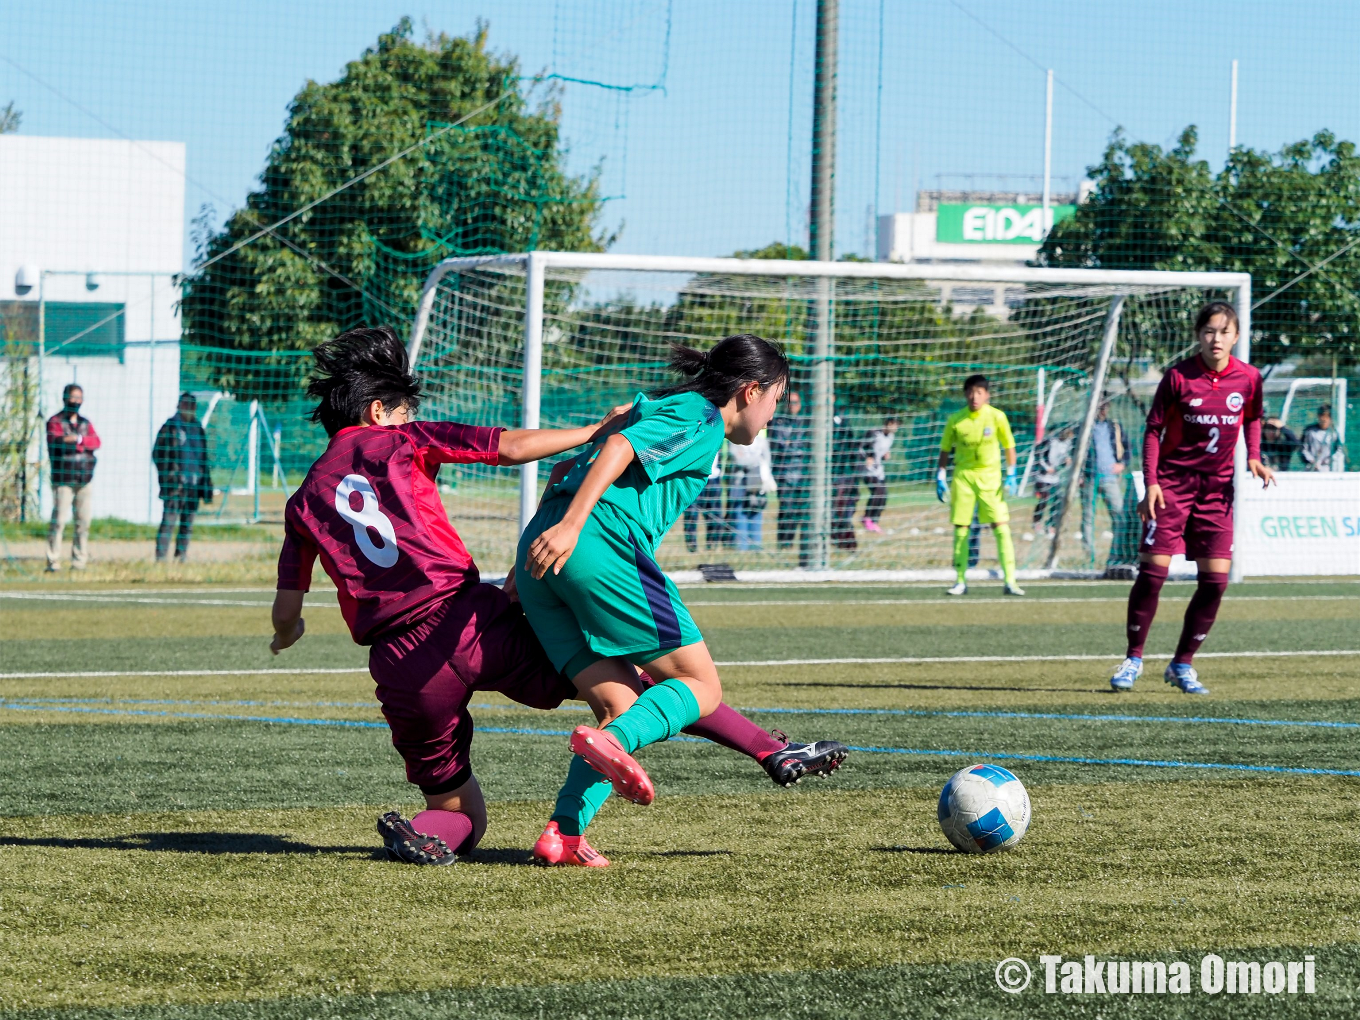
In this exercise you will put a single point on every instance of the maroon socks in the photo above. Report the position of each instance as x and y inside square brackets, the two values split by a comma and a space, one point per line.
[1143, 605]
[726, 726]
[453, 827]
[1200, 614]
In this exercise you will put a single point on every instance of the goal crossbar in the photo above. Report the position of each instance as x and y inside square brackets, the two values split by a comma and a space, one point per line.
[535, 265]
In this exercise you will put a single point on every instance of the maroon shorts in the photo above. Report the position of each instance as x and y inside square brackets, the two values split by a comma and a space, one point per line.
[1197, 519]
[477, 640]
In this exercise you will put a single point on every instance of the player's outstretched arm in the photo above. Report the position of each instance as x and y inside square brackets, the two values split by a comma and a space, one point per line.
[521, 446]
[288, 622]
[554, 547]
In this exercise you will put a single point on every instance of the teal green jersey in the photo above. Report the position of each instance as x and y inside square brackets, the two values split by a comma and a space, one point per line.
[676, 440]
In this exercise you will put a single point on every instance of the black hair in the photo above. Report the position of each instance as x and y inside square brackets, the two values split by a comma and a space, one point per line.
[1324, 409]
[356, 368]
[66, 390]
[892, 419]
[728, 366]
[188, 398]
[974, 381]
[1216, 308]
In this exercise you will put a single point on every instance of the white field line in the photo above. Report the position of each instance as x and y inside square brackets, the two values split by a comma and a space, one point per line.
[906, 660]
[140, 598]
[1111, 657]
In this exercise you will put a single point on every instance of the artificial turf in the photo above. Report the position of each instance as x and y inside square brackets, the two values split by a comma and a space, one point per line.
[161, 858]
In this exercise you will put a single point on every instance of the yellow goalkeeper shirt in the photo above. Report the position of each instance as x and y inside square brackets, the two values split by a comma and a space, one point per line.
[976, 438]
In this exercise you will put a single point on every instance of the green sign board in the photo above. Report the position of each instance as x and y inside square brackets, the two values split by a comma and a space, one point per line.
[957, 223]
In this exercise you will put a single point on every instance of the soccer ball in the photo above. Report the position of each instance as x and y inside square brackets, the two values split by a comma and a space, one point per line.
[984, 808]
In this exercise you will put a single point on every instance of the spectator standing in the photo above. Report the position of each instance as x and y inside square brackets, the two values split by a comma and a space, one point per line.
[1278, 444]
[790, 447]
[708, 505]
[181, 458]
[1105, 464]
[875, 450]
[845, 474]
[751, 483]
[1050, 460]
[71, 442]
[1321, 443]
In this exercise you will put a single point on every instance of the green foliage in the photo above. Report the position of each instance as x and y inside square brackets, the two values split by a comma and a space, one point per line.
[489, 178]
[10, 118]
[1277, 216]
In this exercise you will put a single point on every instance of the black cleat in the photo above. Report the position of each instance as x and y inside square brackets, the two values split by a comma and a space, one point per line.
[819, 758]
[403, 843]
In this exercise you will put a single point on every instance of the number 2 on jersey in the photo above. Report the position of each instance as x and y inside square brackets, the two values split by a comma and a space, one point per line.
[1212, 445]
[370, 516]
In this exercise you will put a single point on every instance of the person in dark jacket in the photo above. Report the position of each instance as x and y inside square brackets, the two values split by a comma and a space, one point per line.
[181, 459]
[1278, 444]
[790, 438]
[71, 442]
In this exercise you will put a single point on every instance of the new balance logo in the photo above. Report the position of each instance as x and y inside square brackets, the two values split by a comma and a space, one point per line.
[1197, 402]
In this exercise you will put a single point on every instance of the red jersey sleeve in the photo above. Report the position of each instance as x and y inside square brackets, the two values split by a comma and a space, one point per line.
[296, 559]
[90, 440]
[1163, 401]
[451, 442]
[1252, 419]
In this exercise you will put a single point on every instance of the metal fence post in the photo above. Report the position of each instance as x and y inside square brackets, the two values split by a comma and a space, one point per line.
[533, 378]
[1088, 424]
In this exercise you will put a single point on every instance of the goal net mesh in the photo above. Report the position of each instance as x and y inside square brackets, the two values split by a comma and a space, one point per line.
[902, 349]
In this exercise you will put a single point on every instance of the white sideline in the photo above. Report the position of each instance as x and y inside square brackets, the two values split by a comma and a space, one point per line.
[906, 661]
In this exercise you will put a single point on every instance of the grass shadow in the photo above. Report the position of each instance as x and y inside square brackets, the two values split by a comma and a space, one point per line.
[189, 843]
[913, 850]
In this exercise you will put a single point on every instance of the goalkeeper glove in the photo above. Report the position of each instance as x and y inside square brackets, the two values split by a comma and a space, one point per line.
[941, 485]
[1012, 484]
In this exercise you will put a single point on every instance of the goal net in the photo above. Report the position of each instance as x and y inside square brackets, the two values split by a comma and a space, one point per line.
[554, 339]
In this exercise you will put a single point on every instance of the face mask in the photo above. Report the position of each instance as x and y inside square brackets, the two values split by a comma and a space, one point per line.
[72, 408]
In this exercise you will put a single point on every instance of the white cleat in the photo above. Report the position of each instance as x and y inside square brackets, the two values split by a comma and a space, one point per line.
[958, 589]
[1014, 589]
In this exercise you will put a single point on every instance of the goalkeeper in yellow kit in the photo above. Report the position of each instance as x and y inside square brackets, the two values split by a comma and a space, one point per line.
[975, 436]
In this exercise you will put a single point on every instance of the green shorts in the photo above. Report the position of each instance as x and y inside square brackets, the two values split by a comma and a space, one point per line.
[981, 489]
[611, 598]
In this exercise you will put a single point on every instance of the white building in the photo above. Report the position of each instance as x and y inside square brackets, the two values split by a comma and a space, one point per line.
[973, 226]
[92, 232]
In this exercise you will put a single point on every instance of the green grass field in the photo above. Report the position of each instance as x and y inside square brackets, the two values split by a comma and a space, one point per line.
[187, 831]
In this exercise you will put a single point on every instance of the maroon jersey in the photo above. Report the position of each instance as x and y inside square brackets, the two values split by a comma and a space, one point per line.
[1196, 417]
[370, 507]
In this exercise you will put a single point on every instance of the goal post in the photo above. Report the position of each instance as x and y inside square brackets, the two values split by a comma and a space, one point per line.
[553, 338]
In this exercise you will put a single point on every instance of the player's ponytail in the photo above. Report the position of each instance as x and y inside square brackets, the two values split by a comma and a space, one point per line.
[717, 374]
[357, 368]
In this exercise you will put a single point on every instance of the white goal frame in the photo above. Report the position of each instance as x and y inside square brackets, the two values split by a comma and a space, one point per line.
[535, 265]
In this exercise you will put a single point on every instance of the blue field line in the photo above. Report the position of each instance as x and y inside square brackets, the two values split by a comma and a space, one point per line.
[534, 732]
[1145, 763]
[905, 712]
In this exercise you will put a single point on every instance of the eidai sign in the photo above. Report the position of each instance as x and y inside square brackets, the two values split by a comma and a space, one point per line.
[957, 223]
[1307, 523]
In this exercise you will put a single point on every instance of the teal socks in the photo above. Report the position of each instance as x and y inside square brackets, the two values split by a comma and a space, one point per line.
[663, 711]
[659, 714]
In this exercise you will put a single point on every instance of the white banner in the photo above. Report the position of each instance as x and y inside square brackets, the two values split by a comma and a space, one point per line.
[1309, 523]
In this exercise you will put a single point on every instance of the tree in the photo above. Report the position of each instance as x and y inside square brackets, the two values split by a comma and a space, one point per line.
[10, 118]
[1278, 216]
[490, 178]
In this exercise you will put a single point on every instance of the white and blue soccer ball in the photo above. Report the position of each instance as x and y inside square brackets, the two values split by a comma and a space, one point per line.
[983, 809]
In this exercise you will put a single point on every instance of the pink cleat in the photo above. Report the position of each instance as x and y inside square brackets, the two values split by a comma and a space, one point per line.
[606, 755]
[554, 848]
[872, 525]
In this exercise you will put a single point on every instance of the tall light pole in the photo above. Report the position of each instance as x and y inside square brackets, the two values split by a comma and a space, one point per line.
[821, 231]
[1232, 112]
[1048, 149]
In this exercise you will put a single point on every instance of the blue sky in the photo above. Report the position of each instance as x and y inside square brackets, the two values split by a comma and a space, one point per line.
[714, 158]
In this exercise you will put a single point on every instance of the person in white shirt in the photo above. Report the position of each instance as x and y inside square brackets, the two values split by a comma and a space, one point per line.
[877, 444]
[1321, 448]
[750, 485]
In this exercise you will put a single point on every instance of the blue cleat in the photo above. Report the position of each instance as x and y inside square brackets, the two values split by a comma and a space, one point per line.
[1129, 671]
[1183, 675]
